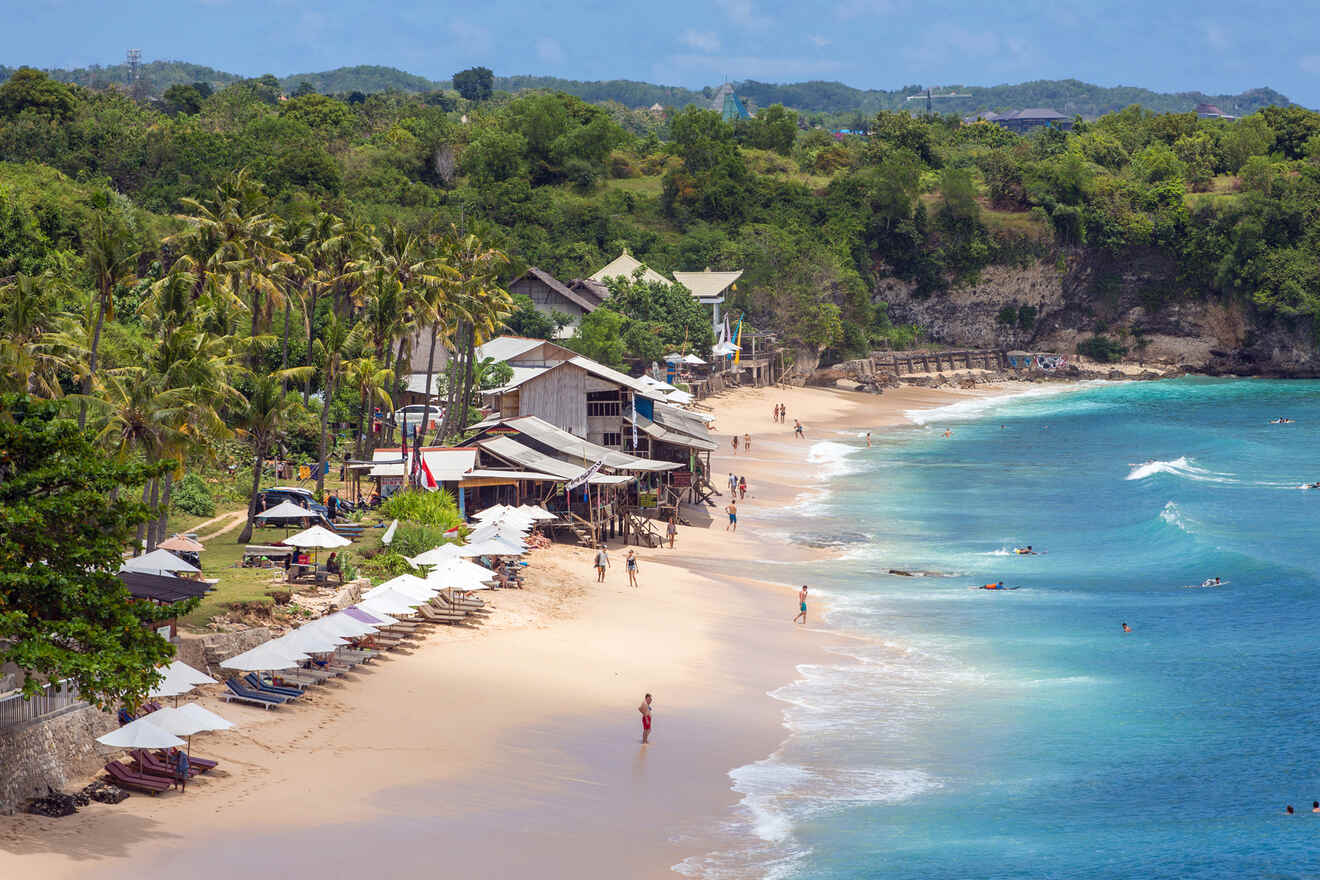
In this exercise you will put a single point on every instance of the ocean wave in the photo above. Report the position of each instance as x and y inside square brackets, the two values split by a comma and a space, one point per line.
[833, 457]
[1182, 466]
[1173, 515]
[975, 407]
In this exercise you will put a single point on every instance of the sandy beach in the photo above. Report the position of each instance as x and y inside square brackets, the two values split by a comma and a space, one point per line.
[514, 748]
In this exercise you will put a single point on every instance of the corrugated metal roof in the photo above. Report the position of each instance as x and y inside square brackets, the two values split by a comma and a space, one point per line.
[488, 473]
[511, 450]
[681, 420]
[558, 287]
[666, 435]
[520, 375]
[504, 348]
[584, 450]
[417, 383]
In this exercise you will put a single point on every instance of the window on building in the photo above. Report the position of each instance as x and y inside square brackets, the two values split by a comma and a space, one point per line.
[602, 407]
[611, 439]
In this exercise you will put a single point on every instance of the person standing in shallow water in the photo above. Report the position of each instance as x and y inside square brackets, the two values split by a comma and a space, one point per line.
[645, 709]
[735, 444]
[802, 606]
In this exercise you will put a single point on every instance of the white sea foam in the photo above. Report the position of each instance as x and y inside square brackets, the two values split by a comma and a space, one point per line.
[975, 407]
[833, 457]
[1182, 466]
[1173, 515]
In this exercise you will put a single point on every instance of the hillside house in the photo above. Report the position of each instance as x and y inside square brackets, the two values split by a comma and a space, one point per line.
[549, 295]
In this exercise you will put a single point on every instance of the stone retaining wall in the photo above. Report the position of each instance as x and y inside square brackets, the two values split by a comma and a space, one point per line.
[51, 752]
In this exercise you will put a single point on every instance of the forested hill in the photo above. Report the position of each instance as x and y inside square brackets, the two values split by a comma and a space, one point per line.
[1068, 96]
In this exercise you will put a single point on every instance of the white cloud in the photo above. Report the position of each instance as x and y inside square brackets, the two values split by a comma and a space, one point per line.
[743, 13]
[818, 41]
[1309, 63]
[1216, 35]
[703, 41]
[549, 50]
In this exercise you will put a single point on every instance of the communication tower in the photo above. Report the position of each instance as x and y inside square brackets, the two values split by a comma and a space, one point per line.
[135, 73]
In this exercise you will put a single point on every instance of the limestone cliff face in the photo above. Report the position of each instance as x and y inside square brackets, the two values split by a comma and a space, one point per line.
[1134, 299]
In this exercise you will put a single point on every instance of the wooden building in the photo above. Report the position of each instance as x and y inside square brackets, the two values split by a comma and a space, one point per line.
[549, 295]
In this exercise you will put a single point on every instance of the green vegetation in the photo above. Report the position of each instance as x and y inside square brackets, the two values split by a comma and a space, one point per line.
[1102, 349]
[437, 509]
[64, 520]
[193, 496]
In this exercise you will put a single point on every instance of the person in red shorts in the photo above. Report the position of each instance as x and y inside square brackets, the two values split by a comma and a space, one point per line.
[645, 709]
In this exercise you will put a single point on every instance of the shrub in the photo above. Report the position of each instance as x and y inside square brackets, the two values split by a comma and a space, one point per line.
[384, 565]
[423, 507]
[1008, 315]
[1026, 317]
[411, 539]
[193, 496]
[1102, 349]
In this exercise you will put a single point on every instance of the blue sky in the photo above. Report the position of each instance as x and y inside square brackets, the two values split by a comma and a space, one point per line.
[1212, 45]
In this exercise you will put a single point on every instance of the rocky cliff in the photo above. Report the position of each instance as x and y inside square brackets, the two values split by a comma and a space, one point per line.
[1134, 300]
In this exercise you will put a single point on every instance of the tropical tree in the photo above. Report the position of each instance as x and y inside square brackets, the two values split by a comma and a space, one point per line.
[372, 382]
[263, 419]
[111, 255]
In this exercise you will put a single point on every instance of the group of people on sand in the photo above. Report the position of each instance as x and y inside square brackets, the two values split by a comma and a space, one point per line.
[781, 413]
[602, 562]
[737, 487]
[746, 443]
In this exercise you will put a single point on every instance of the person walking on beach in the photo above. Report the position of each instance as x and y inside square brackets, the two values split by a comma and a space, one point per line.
[802, 606]
[868, 439]
[631, 565]
[747, 443]
[671, 531]
[732, 511]
[797, 429]
[645, 709]
[742, 488]
[602, 562]
[783, 413]
[733, 485]
[735, 444]
[775, 417]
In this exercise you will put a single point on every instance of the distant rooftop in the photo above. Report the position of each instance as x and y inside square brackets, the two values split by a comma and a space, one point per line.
[623, 266]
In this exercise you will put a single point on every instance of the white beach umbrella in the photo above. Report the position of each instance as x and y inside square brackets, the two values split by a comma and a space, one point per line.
[266, 656]
[179, 679]
[534, 512]
[140, 734]
[459, 571]
[388, 537]
[317, 537]
[493, 510]
[188, 719]
[436, 555]
[495, 547]
[422, 592]
[410, 581]
[694, 360]
[390, 602]
[512, 533]
[310, 641]
[341, 624]
[159, 562]
[288, 510]
[377, 618]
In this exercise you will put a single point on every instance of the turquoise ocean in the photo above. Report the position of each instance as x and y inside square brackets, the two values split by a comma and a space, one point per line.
[1021, 734]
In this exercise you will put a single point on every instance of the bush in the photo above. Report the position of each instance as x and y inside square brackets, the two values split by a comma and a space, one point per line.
[384, 565]
[411, 540]
[423, 507]
[1008, 315]
[193, 496]
[1102, 349]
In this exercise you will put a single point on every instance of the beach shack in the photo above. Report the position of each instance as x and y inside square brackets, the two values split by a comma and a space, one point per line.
[159, 589]
[709, 288]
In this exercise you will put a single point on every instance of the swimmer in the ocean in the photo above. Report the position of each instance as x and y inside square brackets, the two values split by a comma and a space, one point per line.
[1126, 628]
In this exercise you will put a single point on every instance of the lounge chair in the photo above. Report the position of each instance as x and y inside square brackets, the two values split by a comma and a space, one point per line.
[201, 765]
[125, 777]
[254, 681]
[437, 616]
[150, 765]
[125, 717]
[247, 695]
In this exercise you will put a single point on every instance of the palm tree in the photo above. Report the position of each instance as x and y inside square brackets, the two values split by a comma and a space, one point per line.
[477, 306]
[329, 352]
[26, 315]
[263, 418]
[111, 256]
[372, 382]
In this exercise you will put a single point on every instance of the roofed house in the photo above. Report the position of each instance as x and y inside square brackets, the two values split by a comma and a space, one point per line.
[709, 288]
[625, 265]
[1033, 117]
[549, 295]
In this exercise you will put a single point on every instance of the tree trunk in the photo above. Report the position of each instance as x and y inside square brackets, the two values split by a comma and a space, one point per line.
[142, 526]
[453, 401]
[163, 523]
[363, 420]
[91, 360]
[246, 535]
[469, 377]
[311, 337]
[400, 383]
[426, 392]
[325, 421]
[284, 347]
[155, 501]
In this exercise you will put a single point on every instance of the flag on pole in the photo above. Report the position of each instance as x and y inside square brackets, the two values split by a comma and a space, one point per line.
[426, 470]
[737, 355]
[634, 422]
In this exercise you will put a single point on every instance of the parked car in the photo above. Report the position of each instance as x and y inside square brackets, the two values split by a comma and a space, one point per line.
[268, 498]
[409, 417]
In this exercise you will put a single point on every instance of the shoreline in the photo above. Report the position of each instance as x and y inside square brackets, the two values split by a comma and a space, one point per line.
[516, 730]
